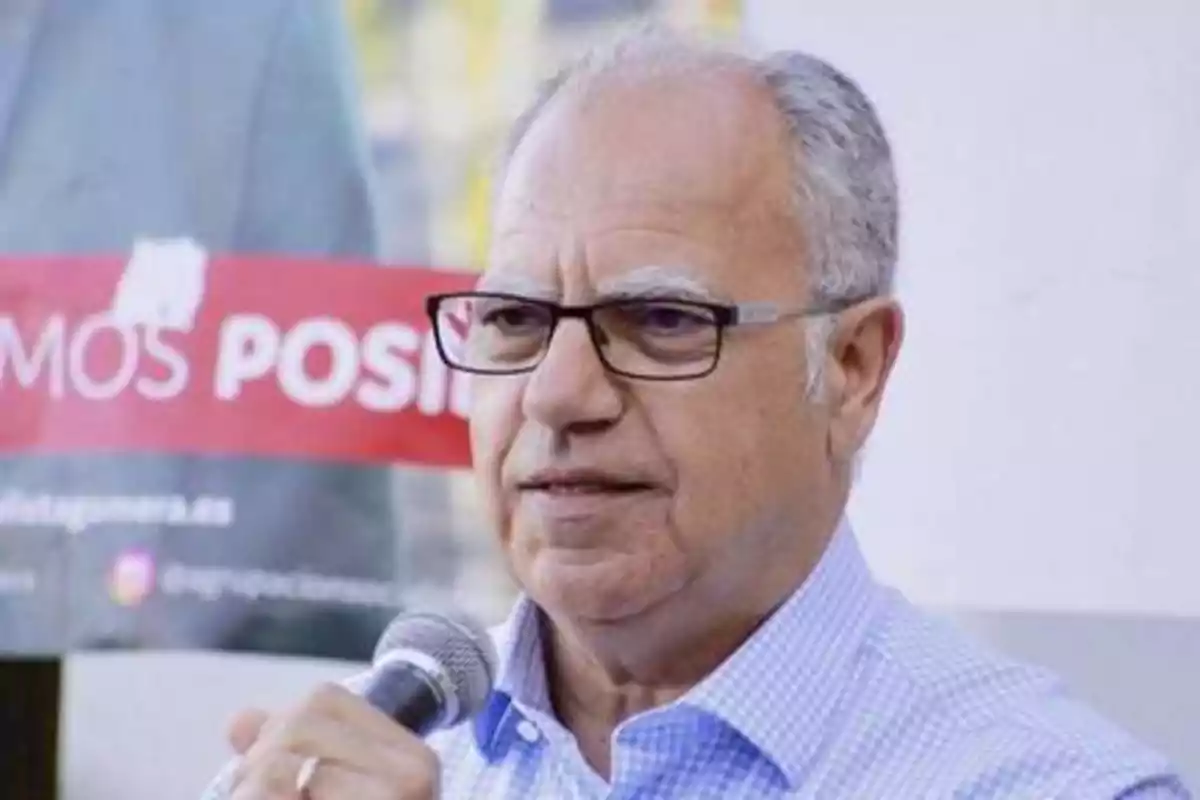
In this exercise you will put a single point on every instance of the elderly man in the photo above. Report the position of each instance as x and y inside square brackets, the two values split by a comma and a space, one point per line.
[682, 342]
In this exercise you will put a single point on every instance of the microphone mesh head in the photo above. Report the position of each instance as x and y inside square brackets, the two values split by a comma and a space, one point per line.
[460, 644]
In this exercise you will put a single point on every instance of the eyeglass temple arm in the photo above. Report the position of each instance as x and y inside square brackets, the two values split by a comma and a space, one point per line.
[763, 313]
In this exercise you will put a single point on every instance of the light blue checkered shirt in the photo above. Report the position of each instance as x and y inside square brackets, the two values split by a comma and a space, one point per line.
[846, 692]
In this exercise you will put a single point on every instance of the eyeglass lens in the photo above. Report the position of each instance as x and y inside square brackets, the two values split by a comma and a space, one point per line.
[650, 337]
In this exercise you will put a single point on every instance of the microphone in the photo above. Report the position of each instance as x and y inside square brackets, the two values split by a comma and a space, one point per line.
[431, 671]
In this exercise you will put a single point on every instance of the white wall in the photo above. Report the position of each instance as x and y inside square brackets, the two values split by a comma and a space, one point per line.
[1040, 446]
[1035, 471]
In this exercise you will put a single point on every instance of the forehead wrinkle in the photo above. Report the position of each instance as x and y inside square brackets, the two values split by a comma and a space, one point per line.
[517, 209]
[650, 280]
[519, 216]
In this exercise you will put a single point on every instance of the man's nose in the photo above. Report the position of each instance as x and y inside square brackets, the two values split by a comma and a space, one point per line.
[570, 390]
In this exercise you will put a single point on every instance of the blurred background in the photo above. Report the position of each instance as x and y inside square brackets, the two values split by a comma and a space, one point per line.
[441, 83]
[1032, 474]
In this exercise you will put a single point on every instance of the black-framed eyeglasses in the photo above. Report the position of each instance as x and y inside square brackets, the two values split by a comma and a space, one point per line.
[646, 338]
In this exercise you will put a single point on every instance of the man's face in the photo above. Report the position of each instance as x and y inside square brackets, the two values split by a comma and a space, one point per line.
[612, 495]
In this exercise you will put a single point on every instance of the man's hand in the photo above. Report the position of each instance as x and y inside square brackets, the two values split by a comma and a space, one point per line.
[363, 754]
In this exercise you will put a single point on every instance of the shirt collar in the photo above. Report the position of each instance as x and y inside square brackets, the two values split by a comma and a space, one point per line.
[521, 676]
[776, 690]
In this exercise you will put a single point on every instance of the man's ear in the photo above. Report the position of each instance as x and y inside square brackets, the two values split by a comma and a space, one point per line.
[862, 352]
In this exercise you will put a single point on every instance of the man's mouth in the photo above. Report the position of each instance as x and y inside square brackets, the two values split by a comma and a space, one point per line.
[586, 488]
[583, 484]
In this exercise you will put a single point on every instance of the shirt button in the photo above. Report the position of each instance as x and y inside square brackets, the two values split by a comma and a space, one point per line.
[528, 731]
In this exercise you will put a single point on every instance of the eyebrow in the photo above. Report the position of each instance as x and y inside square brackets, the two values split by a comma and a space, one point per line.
[657, 281]
[647, 282]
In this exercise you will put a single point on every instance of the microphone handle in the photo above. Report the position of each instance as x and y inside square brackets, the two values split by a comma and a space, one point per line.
[407, 694]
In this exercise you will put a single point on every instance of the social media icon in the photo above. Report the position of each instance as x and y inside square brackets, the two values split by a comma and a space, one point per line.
[131, 579]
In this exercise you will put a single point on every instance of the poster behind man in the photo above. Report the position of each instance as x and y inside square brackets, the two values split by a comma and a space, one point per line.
[106, 367]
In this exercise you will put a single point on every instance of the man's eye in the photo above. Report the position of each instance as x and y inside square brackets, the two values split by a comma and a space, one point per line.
[670, 319]
[515, 318]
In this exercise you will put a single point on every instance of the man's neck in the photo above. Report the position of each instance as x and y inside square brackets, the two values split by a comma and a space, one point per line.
[598, 676]
[591, 697]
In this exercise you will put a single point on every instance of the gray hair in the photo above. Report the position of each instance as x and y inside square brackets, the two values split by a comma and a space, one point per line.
[844, 180]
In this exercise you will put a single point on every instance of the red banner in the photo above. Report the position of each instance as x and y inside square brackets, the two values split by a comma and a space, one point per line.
[172, 351]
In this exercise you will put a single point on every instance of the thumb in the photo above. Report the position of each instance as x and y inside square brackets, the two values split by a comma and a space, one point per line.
[246, 728]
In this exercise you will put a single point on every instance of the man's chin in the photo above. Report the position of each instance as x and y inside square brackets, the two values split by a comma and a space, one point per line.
[596, 589]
